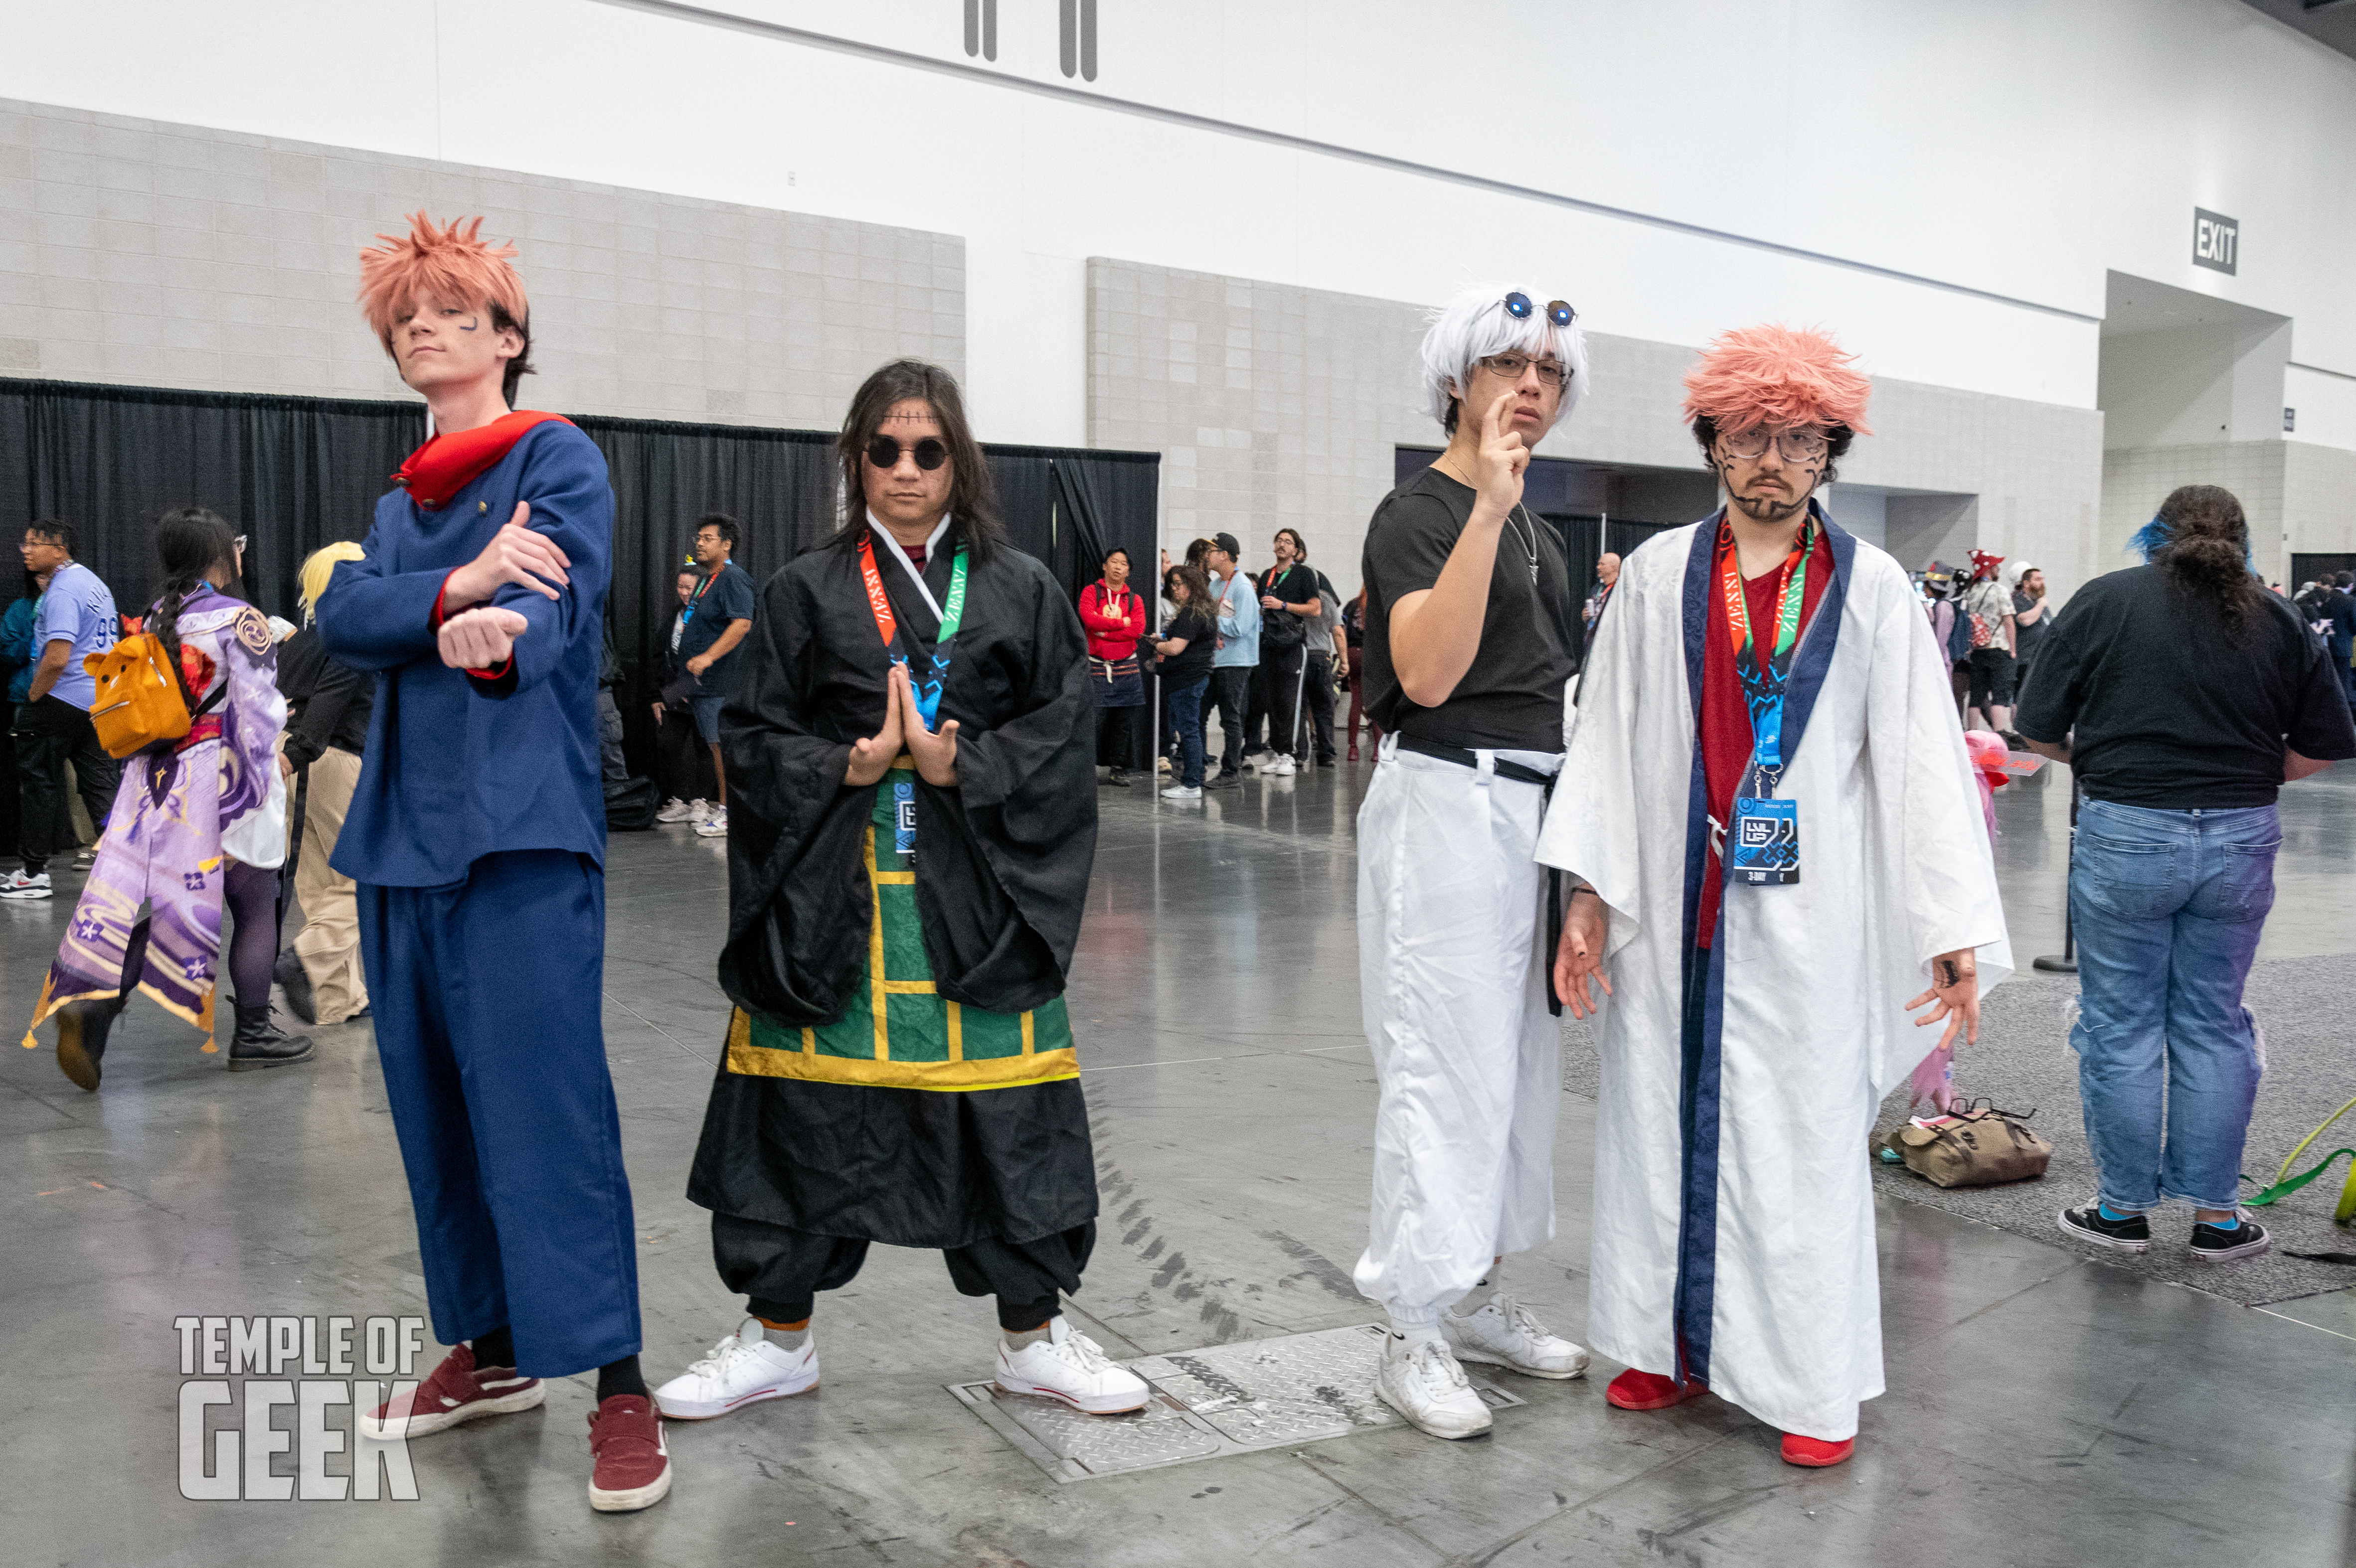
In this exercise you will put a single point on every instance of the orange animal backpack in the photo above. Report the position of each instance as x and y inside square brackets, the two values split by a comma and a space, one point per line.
[141, 702]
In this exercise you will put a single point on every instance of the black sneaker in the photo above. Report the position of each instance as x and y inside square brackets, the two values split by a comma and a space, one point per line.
[2132, 1234]
[2215, 1244]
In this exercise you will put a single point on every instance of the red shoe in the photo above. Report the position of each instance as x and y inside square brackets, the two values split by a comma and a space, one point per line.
[1633, 1390]
[455, 1391]
[1815, 1452]
[626, 1438]
[1354, 753]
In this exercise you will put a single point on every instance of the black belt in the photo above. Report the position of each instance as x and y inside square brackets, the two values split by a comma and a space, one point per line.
[1465, 758]
[1519, 774]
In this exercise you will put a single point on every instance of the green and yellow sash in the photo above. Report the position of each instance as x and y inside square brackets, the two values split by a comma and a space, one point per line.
[898, 1031]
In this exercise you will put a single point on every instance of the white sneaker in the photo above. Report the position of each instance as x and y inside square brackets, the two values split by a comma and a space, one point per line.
[20, 886]
[678, 810]
[714, 826]
[1282, 768]
[1503, 1333]
[1068, 1366]
[744, 1369]
[1183, 791]
[1423, 1382]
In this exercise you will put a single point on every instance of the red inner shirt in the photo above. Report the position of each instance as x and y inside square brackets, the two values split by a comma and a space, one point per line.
[1725, 716]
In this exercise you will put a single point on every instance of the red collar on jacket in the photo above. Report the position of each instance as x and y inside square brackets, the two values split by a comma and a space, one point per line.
[448, 464]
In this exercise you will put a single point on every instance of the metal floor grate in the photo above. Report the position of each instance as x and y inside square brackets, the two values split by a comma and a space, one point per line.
[1223, 1398]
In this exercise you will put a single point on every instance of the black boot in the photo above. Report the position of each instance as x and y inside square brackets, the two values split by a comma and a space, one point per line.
[290, 973]
[81, 1038]
[261, 1044]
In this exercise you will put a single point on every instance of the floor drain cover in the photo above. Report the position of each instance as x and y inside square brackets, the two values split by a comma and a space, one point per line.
[1225, 1399]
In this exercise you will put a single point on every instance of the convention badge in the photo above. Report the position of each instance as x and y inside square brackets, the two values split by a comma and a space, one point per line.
[904, 818]
[1765, 841]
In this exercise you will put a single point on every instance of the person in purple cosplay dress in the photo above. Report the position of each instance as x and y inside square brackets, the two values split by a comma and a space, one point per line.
[195, 823]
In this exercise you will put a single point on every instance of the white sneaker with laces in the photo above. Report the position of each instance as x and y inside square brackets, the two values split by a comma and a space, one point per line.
[19, 886]
[1183, 791]
[1504, 1333]
[1423, 1381]
[1282, 768]
[678, 810]
[714, 826]
[1068, 1366]
[744, 1369]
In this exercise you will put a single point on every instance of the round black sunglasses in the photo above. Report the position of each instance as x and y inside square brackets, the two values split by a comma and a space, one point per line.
[884, 451]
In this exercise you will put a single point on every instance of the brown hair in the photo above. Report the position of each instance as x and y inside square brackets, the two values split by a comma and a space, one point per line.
[2207, 552]
[973, 499]
[1198, 592]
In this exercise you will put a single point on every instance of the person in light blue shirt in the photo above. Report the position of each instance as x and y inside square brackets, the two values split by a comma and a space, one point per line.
[76, 618]
[1237, 655]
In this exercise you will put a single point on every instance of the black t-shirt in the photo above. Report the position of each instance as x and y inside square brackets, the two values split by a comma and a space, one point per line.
[1202, 642]
[2029, 635]
[2172, 712]
[726, 598]
[1511, 697]
[1281, 629]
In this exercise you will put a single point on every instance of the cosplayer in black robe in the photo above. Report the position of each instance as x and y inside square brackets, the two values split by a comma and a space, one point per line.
[900, 1065]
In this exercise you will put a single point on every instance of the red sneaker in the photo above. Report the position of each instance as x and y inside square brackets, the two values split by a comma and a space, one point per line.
[626, 1438]
[1633, 1390]
[457, 1390]
[1815, 1452]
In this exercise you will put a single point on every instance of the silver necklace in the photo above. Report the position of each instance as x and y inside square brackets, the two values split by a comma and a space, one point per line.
[1531, 547]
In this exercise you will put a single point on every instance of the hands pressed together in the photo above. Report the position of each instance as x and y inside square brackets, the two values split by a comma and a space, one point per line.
[935, 751]
[478, 634]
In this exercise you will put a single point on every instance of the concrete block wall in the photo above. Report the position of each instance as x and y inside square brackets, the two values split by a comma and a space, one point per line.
[2136, 479]
[146, 254]
[1276, 405]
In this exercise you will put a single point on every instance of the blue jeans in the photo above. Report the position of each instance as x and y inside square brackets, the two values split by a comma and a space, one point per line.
[2169, 905]
[1187, 718]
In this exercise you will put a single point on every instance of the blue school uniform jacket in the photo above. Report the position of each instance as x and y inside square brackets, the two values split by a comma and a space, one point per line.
[458, 765]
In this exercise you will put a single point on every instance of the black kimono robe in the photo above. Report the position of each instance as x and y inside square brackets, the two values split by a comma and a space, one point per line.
[807, 1125]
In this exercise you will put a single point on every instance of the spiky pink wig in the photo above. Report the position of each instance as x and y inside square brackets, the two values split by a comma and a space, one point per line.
[453, 265]
[1777, 376]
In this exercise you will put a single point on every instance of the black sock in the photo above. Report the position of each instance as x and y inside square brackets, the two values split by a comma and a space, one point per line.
[620, 1377]
[496, 1349]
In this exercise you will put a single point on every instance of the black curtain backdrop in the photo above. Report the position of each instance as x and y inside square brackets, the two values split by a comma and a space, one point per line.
[1586, 537]
[294, 474]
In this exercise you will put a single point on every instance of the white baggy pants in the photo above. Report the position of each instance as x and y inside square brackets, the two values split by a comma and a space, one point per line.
[1453, 986]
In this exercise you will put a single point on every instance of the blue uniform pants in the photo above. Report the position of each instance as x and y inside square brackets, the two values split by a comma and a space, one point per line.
[487, 995]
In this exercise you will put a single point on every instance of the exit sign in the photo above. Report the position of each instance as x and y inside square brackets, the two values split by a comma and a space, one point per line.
[2216, 241]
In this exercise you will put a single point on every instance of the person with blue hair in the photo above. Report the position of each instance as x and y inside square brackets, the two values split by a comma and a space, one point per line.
[2184, 696]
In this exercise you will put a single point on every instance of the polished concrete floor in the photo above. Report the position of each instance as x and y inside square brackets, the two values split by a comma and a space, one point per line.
[2043, 1409]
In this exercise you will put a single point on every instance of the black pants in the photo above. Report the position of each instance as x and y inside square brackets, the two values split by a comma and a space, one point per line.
[1230, 693]
[49, 734]
[682, 760]
[1116, 731]
[1319, 695]
[781, 1270]
[1281, 667]
[1991, 678]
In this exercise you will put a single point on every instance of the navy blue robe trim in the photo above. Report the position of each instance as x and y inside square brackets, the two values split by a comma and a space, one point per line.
[1701, 1030]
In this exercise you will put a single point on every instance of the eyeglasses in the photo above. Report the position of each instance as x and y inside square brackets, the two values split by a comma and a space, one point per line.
[884, 451]
[1796, 445]
[1511, 366]
[1518, 306]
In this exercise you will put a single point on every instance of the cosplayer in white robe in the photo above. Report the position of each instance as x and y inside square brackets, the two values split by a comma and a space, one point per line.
[1760, 1264]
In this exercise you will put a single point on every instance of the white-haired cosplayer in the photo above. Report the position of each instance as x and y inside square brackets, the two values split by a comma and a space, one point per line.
[1471, 639]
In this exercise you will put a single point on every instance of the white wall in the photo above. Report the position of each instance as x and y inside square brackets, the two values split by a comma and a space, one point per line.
[2018, 147]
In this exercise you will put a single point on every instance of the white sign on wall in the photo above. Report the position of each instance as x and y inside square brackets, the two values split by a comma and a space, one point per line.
[2216, 241]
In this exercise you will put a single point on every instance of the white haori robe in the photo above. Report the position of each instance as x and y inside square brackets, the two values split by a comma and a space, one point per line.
[1733, 1222]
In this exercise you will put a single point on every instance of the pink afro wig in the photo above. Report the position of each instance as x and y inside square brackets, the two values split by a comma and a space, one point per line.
[453, 265]
[1777, 376]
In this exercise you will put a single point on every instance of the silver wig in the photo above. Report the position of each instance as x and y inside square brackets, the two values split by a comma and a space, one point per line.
[1474, 325]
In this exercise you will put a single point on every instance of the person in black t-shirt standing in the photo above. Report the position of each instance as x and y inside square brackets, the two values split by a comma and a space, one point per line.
[2184, 696]
[1288, 607]
[1468, 650]
[717, 619]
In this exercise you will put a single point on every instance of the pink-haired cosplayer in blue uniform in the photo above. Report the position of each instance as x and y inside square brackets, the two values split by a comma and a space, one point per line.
[477, 838]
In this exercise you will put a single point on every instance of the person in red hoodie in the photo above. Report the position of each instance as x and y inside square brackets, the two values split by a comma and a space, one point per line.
[1115, 618]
